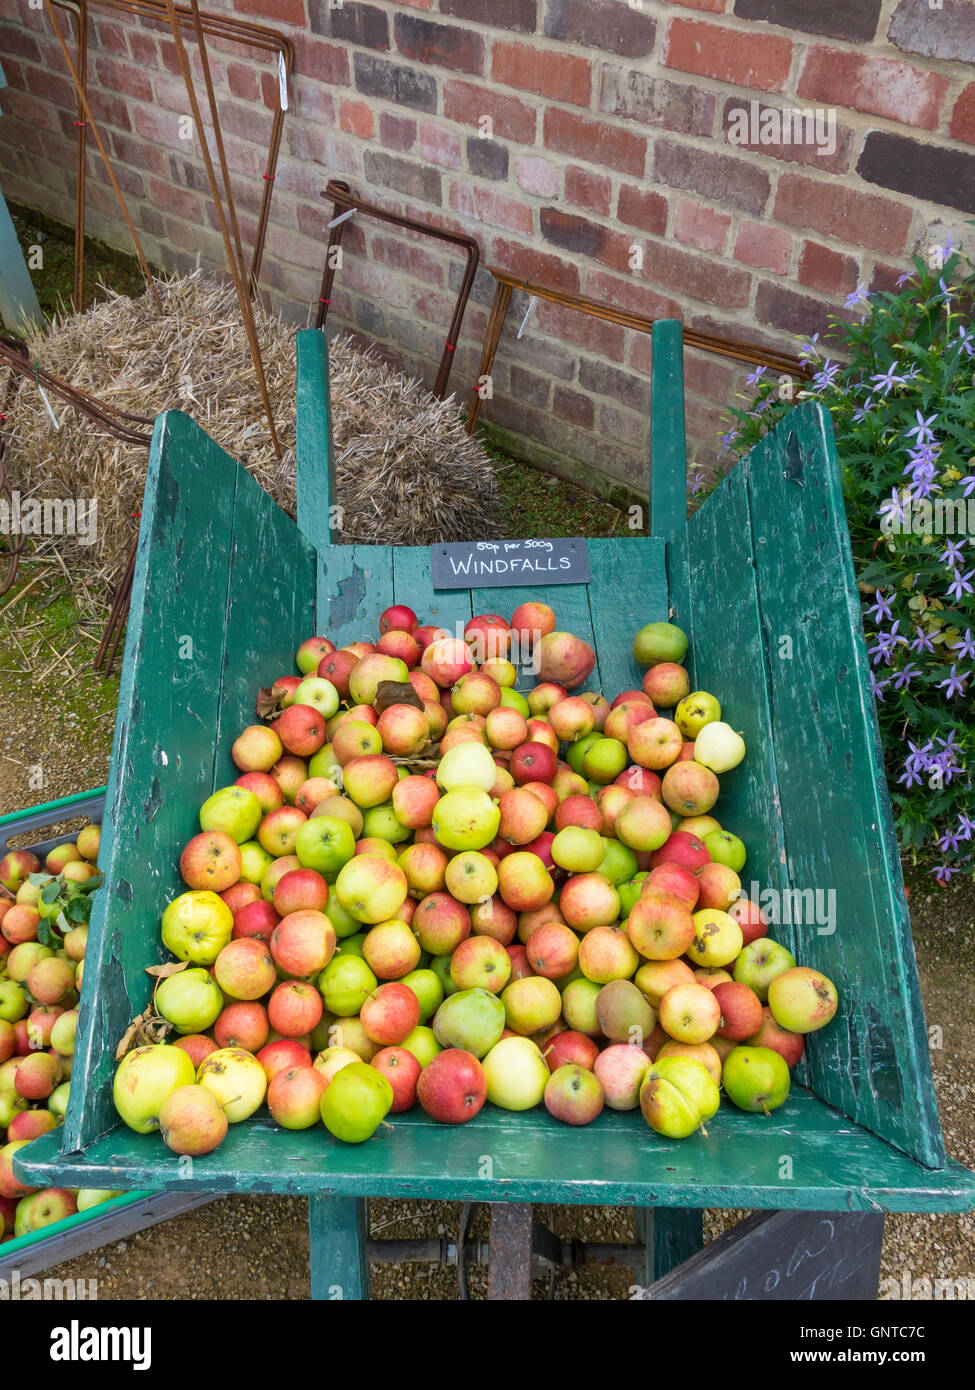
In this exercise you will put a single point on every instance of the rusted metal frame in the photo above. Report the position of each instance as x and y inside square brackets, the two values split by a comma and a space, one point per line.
[86, 110]
[641, 323]
[231, 243]
[510, 1266]
[339, 193]
[112, 635]
[243, 32]
[15, 542]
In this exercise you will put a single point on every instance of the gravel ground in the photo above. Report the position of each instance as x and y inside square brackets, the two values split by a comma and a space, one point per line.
[257, 1247]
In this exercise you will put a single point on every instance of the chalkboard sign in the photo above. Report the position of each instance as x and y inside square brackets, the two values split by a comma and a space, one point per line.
[493, 564]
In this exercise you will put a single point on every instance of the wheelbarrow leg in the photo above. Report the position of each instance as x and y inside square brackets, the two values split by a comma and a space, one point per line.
[669, 1236]
[338, 1229]
[510, 1265]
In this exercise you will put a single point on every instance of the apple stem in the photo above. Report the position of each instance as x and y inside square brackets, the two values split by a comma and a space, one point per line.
[386, 1125]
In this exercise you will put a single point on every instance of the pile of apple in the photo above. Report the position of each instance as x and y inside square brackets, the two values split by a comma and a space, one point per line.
[42, 952]
[427, 887]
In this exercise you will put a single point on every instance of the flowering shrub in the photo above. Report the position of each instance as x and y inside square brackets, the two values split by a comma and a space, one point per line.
[902, 397]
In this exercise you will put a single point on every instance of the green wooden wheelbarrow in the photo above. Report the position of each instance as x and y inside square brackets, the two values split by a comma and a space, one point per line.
[762, 580]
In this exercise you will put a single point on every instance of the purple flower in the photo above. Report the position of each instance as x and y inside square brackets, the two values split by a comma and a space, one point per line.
[810, 349]
[965, 646]
[892, 510]
[756, 376]
[944, 872]
[967, 485]
[859, 296]
[954, 683]
[966, 339]
[905, 675]
[922, 430]
[824, 378]
[960, 584]
[949, 841]
[878, 688]
[881, 608]
[887, 642]
[952, 555]
[922, 642]
[888, 380]
[949, 744]
[902, 279]
[966, 826]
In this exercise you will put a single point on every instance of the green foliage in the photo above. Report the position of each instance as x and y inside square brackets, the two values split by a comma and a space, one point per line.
[63, 903]
[901, 394]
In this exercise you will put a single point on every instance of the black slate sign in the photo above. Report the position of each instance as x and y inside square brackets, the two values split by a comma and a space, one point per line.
[493, 564]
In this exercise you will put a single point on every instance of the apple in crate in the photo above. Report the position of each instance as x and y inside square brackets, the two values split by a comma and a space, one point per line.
[192, 1121]
[294, 1097]
[756, 1079]
[573, 1095]
[145, 1078]
[402, 1070]
[357, 1100]
[452, 1088]
[678, 1096]
[515, 1073]
[471, 1020]
[236, 1080]
[197, 925]
[802, 1000]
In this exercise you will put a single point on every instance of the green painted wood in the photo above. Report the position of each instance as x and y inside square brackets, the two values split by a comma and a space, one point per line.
[668, 451]
[413, 585]
[338, 1232]
[628, 589]
[20, 308]
[873, 1061]
[202, 516]
[617, 1160]
[355, 584]
[717, 605]
[314, 447]
[270, 610]
[669, 1236]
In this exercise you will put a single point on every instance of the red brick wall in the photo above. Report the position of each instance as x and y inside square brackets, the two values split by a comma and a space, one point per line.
[605, 168]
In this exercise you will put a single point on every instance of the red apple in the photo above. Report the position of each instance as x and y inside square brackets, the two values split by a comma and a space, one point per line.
[301, 729]
[302, 943]
[210, 861]
[257, 749]
[566, 659]
[256, 919]
[441, 923]
[280, 1055]
[533, 762]
[570, 1048]
[243, 1024]
[397, 618]
[660, 928]
[390, 1014]
[197, 1047]
[294, 1008]
[672, 880]
[741, 1011]
[750, 918]
[789, 1046]
[452, 1087]
[294, 1097]
[402, 1070]
[683, 849]
[403, 729]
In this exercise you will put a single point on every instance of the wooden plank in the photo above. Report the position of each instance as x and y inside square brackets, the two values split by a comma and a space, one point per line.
[670, 1236]
[338, 1229]
[413, 585]
[355, 584]
[873, 1061]
[270, 611]
[88, 1231]
[726, 657]
[836, 1164]
[628, 589]
[794, 1256]
[314, 448]
[20, 308]
[163, 756]
[668, 451]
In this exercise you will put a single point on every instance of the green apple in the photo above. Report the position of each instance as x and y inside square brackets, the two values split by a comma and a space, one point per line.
[619, 862]
[677, 1096]
[466, 818]
[323, 764]
[725, 848]
[576, 752]
[352, 945]
[196, 926]
[57, 1101]
[190, 1001]
[254, 861]
[357, 1101]
[440, 966]
[579, 1007]
[145, 1077]
[11, 1104]
[604, 760]
[345, 925]
[515, 700]
[13, 1001]
[719, 747]
[236, 1079]
[659, 642]
[516, 1074]
[346, 983]
[325, 843]
[695, 711]
[755, 1078]
[578, 849]
[233, 810]
[759, 962]
[382, 823]
[426, 985]
[319, 693]
[423, 1045]
[629, 892]
[467, 765]
[89, 1197]
[471, 1019]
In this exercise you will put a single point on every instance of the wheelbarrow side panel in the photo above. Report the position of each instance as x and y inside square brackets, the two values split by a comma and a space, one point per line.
[873, 1062]
[191, 652]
